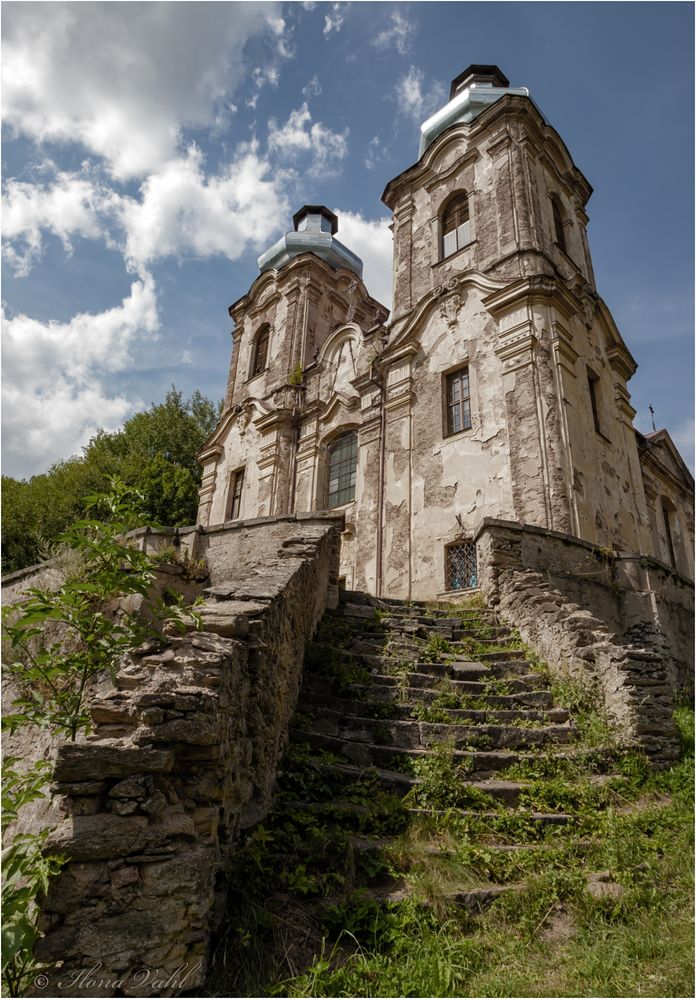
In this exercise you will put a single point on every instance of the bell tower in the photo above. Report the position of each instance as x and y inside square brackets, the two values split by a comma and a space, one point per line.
[309, 286]
[495, 292]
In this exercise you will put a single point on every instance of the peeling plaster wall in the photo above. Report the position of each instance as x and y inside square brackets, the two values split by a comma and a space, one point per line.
[519, 311]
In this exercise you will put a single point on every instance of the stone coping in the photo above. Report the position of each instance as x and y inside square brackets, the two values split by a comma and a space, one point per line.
[570, 539]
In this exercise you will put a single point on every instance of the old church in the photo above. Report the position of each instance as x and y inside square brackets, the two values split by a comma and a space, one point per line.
[496, 388]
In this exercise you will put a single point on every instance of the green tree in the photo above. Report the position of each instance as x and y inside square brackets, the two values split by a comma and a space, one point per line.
[155, 452]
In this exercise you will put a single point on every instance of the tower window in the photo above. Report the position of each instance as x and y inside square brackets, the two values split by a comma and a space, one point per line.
[666, 513]
[458, 401]
[461, 564]
[558, 227]
[343, 460]
[260, 352]
[456, 231]
[235, 494]
[593, 386]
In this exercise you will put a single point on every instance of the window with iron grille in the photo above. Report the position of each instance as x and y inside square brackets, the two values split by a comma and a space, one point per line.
[260, 352]
[461, 566]
[343, 460]
[458, 401]
[235, 494]
[456, 231]
[558, 226]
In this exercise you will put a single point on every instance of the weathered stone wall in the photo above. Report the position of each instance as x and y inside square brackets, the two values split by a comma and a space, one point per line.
[624, 622]
[186, 742]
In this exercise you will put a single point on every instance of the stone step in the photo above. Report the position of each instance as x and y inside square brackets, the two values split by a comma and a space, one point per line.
[315, 702]
[539, 818]
[350, 808]
[526, 695]
[512, 685]
[479, 763]
[414, 734]
[473, 901]
[504, 791]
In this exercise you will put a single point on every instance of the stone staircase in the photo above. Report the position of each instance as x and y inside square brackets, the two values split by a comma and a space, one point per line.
[405, 775]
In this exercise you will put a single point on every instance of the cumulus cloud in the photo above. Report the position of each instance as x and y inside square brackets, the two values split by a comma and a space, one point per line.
[371, 239]
[54, 395]
[300, 135]
[181, 211]
[414, 99]
[399, 33]
[123, 79]
[313, 88]
[68, 205]
[333, 21]
[375, 153]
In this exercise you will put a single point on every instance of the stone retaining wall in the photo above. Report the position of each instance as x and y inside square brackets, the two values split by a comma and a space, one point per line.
[622, 621]
[186, 742]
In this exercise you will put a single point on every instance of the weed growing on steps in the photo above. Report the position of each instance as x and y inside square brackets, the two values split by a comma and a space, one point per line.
[314, 893]
[552, 937]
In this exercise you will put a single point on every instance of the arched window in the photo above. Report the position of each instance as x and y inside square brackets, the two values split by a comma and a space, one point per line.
[260, 351]
[558, 227]
[343, 460]
[456, 231]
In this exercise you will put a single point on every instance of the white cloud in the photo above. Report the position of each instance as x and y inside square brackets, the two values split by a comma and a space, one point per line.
[415, 101]
[123, 79]
[313, 88]
[54, 396]
[181, 211]
[333, 21]
[399, 34]
[67, 206]
[375, 152]
[299, 135]
[371, 239]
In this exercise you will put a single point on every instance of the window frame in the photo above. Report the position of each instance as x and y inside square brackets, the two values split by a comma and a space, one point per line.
[464, 399]
[449, 548]
[234, 494]
[332, 448]
[458, 202]
[593, 381]
[558, 224]
[261, 337]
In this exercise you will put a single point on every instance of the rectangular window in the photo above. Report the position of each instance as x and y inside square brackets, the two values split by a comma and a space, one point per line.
[461, 564]
[593, 385]
[458, 401]
[235, 494]
[343, 460]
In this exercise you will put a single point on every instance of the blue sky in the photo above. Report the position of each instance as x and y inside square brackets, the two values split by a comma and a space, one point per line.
[152, 151]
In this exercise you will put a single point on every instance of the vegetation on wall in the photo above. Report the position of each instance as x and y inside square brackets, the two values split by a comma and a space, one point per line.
[155, 452]
[57, 642]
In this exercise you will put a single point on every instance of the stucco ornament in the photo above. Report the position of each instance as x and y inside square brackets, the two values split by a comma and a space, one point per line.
[451, 305]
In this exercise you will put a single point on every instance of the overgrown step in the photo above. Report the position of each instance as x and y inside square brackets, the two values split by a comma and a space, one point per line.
[386, 689]
[423, 734]
[506, 792]
[315, 702]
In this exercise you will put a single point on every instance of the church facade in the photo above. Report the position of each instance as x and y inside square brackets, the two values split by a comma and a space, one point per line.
[498, 387]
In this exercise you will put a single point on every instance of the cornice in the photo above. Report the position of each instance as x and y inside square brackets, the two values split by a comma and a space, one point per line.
[419, 315]
[513, 107]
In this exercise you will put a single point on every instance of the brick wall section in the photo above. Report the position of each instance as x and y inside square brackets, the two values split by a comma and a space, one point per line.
[608, 619]
[184, 752]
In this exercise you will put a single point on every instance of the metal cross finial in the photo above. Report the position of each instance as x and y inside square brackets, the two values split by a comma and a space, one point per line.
[652, 414]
